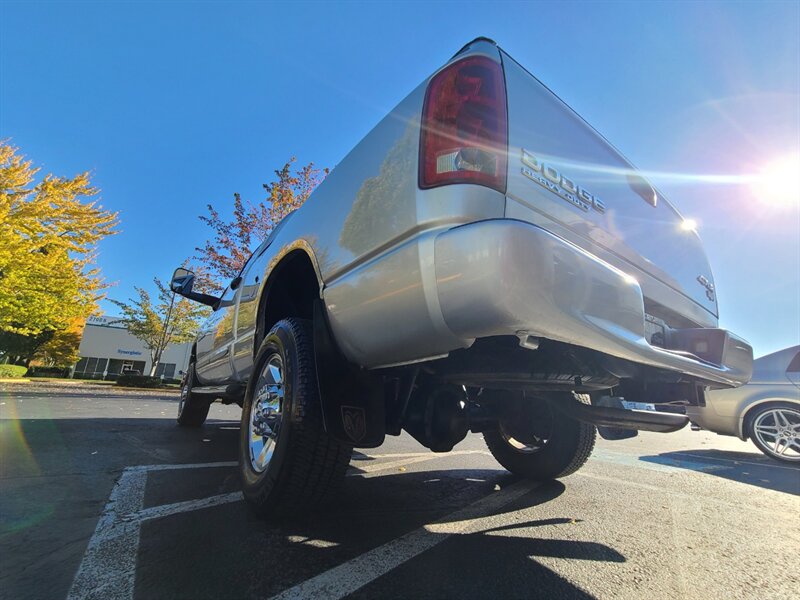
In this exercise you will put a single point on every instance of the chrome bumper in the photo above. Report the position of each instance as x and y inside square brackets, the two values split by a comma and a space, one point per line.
[506, 277]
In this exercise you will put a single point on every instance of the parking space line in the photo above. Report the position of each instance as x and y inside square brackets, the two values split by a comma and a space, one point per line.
[396, 455]
[656, 463]
[673, 492]
[348, 577]
[108, 568]
[369, 469]
[165, 510]
[768, 465]
[149, 468]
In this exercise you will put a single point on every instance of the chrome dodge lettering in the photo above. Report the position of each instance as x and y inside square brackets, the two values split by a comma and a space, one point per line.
[549, 177]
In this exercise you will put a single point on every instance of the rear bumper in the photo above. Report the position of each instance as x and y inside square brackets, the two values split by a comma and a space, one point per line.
[507, 277]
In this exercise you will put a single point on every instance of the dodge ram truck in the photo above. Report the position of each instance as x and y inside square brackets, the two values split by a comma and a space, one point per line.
[482, 261]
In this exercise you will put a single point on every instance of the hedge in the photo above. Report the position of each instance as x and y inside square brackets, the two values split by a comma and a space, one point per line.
[140, 381]
[48, 372]
[92, 376]
[12, 371]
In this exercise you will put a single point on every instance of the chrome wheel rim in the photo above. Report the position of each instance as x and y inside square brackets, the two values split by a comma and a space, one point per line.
[524, 447]
[778, 430]
[266, 414]
[183, 396]
[531, 431]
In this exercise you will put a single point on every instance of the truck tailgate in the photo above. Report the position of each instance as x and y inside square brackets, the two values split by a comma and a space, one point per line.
[562, 169]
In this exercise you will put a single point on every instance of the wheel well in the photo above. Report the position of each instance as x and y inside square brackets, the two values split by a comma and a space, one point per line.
[748, 415]
[290, 291]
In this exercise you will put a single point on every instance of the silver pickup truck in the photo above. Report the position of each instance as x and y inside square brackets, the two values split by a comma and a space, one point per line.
[483, 260]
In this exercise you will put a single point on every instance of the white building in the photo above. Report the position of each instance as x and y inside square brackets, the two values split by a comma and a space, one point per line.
[107, 349]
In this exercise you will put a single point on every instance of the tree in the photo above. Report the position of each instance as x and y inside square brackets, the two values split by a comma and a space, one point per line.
[224, 255]
[61, 350]
[49, 232]
[161, 323]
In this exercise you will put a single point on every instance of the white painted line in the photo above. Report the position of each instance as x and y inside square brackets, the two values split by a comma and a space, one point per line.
[371, 468]
[367, 470]
[148, 468]
[395, 455]
[690, 497]
[165, 510]
[362, 570]
[768, 465]
[666, 465]
[108, 568]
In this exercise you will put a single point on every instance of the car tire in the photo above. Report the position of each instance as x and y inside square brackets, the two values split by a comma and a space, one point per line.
[562, 446]
[287, 461]
[192, 408]
[775, 430]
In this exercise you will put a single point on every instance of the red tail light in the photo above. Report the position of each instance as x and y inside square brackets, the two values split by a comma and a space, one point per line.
[465, 126]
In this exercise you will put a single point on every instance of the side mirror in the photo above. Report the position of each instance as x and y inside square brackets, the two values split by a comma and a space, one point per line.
[182, 281]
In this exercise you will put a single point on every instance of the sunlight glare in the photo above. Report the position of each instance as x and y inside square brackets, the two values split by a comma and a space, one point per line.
[778, 185]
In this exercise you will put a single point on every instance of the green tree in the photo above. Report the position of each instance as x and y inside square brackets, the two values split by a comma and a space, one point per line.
[49, 230]
[167, 320]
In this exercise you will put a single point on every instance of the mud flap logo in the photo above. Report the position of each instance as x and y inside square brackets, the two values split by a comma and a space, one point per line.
[354, 420]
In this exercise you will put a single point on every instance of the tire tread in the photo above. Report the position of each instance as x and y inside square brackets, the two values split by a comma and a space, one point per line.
[315, 463]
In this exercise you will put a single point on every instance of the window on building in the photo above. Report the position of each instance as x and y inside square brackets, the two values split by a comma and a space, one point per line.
[89, 365]
[166, 369]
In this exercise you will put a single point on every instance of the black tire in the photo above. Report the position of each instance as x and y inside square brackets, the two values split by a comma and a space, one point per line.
[563, 447]
[306, 464]
[192, 408]
[790, 420]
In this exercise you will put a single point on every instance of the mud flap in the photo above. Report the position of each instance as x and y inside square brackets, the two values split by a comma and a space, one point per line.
[353, 406]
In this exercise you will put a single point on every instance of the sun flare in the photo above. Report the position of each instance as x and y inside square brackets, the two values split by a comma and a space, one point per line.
[778, 184]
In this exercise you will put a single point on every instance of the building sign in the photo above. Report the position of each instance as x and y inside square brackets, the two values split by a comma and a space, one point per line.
[103, 321]
[129, 352]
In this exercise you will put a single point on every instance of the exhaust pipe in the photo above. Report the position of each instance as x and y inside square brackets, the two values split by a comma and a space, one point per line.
[623, 418]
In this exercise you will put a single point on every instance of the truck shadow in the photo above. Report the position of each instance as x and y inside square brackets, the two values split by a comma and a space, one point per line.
[744, 467]
[58, 474]
[249, 557]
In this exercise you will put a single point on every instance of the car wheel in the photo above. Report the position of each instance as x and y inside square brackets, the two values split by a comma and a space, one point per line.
[287, 461]
[192, 408]
[775, 430]
[544, 445]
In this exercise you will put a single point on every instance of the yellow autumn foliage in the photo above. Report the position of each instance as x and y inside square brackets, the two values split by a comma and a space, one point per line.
[49, 231]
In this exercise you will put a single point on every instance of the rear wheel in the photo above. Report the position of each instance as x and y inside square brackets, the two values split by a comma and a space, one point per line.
[287, 461]
[775, 430]
[536, 442]
[192, 408]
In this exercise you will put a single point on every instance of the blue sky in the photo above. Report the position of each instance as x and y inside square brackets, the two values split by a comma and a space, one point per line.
[175, 105]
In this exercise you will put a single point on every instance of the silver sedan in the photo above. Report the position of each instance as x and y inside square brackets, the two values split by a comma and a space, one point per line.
[766, 410]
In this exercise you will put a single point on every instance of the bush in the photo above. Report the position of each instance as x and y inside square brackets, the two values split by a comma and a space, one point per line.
[48, 372]
[12, 371]
[140, 381]
[90, 376]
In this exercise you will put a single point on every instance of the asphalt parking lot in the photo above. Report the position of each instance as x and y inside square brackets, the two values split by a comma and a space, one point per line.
[102, 496]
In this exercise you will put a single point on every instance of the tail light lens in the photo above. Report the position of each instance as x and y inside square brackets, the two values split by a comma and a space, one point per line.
[465, 126]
